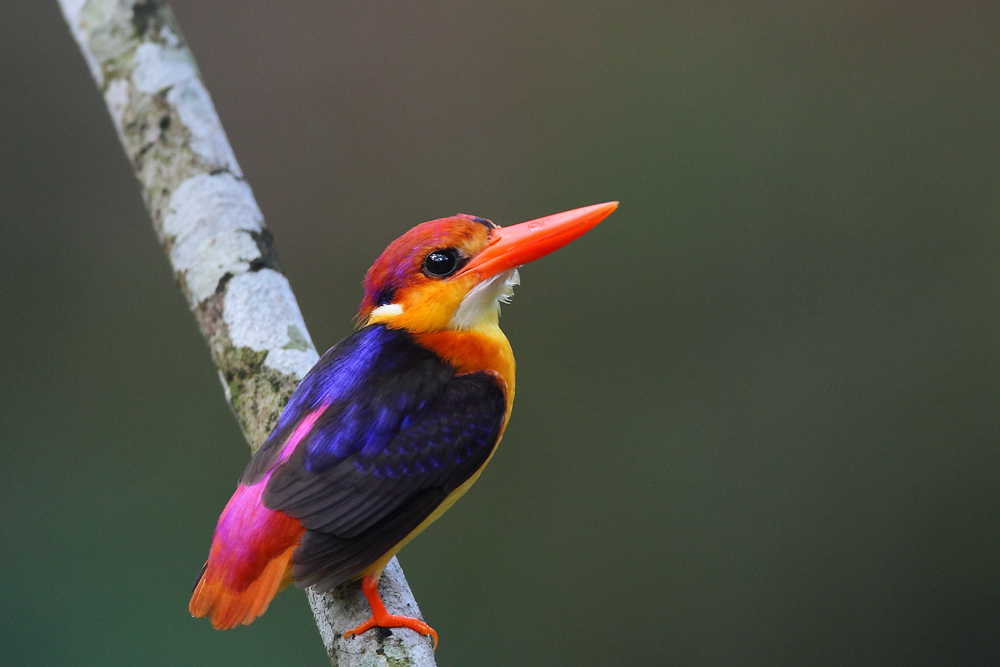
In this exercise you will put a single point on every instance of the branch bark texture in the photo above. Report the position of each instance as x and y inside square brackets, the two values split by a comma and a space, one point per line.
[223, 258]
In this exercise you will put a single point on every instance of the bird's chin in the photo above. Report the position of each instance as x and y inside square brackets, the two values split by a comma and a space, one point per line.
[481, 306]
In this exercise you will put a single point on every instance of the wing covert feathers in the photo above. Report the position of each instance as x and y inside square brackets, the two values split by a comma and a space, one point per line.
[383, 456]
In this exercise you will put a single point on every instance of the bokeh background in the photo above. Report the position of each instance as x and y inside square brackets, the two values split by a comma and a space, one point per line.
[758, 416]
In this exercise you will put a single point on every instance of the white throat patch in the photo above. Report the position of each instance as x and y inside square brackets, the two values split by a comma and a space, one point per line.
[482, 304]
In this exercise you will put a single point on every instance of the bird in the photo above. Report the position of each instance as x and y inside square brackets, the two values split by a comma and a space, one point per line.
[389, 428]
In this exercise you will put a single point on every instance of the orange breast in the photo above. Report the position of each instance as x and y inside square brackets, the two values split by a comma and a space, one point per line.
[474, 350]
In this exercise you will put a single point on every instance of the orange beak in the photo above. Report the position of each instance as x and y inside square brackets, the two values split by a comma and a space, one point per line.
[525, 242]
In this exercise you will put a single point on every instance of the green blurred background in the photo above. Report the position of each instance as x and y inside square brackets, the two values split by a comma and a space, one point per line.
[758, 417]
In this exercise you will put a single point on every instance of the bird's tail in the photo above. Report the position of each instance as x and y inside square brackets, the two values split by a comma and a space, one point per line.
[227, 606]
[249, 562]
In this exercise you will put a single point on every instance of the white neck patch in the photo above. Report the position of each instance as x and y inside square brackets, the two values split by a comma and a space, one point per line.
[482, 304]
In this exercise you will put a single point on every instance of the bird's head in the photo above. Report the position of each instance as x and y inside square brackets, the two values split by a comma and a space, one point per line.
[453, 273]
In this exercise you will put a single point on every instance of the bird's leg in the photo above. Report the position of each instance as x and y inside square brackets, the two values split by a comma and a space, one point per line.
[381, 617]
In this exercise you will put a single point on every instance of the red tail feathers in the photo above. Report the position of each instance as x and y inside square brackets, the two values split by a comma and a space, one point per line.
[250, 560]
[228, 607]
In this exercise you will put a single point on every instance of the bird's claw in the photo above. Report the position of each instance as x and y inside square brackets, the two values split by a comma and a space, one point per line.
[393, 621]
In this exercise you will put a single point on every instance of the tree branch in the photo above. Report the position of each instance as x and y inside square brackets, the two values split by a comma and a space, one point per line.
[224, 260]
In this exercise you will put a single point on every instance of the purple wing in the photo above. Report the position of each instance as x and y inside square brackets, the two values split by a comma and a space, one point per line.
[400, 434]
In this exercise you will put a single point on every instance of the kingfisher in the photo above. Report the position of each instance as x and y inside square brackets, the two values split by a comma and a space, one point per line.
[389, 428]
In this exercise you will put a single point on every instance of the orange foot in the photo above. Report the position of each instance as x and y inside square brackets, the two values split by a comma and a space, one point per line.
[382, 618]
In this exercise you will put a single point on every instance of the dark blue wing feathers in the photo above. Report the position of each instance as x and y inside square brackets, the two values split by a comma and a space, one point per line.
[325, 560]
[400, 433]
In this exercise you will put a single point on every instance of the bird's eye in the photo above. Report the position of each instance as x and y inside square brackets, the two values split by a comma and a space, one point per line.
[441, 263]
